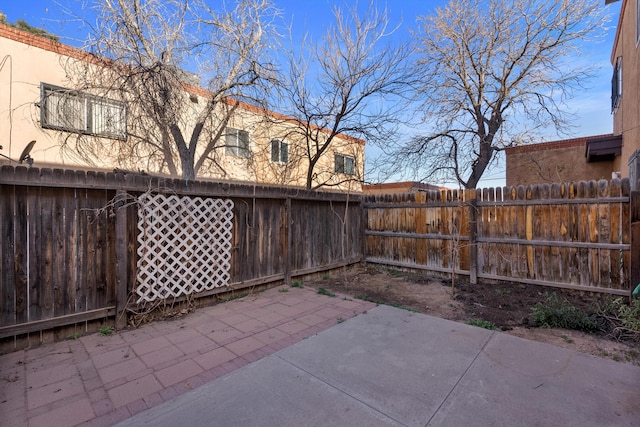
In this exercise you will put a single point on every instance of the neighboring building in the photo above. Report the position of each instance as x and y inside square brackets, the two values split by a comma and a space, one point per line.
[625, 88]
[578, 159]
[604, 156]
[399, 187]
[35, 98]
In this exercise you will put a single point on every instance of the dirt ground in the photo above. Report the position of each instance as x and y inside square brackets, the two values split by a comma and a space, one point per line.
[507, 306]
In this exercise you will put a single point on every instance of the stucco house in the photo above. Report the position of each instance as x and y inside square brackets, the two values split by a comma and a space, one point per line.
[38, 101]
[602, 156]
[625, 88]
[568, 160]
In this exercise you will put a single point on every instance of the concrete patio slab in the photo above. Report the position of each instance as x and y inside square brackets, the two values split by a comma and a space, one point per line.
[269, 392]
[516, 382]
[393, 367]
[363, 365]
[399, 362]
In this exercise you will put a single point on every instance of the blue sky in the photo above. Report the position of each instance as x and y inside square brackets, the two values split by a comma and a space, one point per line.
[591, 106]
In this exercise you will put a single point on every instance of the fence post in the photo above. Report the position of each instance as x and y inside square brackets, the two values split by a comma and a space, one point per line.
[122, 279]
[634, 220]
[287, 255]
[364, 225]
[473, 232]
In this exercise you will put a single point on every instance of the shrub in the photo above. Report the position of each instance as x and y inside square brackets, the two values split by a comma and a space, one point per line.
[624, 319]
[482, 324]
[323, 291]
[557, 313]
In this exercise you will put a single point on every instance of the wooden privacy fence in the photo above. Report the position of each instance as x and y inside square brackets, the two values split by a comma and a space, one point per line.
[70, 239]
[570, 235]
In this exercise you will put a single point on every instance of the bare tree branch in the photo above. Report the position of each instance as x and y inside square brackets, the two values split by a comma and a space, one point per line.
[172, 124]
[347, 84]
[493, 72]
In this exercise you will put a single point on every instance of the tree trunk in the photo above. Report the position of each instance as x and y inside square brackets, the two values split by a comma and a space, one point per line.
[312, 165]
[479, 166]
[188, 171]
[187, 154]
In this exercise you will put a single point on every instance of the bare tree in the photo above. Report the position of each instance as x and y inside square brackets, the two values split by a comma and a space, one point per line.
[494, 72]
[173, 125]
[347, 84]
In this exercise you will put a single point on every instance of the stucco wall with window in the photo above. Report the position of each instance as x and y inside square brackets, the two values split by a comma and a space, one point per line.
[294, 172]
[626, 117]
[24, 68]
[30, 63]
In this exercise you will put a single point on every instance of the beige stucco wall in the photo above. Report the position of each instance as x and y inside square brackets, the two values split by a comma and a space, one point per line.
[626, 118]
[262, 169]
[25, 66]
[28, 60]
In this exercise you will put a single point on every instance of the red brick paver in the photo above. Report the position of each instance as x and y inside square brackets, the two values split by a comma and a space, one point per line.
[102, 380]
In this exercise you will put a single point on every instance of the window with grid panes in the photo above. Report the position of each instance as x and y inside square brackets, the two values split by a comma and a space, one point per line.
[78, 112]
[279, 151]
[237, 143]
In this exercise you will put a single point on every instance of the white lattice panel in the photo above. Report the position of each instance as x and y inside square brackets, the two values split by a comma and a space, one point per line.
[184, 245]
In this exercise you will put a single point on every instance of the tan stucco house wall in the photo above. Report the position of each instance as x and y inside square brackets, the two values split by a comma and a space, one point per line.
[626, 108]
[27, 61]
[555, 161]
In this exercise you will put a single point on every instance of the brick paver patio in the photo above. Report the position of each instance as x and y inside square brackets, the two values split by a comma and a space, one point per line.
[100, 380]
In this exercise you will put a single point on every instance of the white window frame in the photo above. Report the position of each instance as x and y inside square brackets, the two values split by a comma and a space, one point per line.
[344, 164]
[237, 143]
[279, 152]
[78, 112]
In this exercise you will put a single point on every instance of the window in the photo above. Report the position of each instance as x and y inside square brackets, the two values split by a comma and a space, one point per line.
[616, 85]
[279, 151]
[72, 111]
[345, 164]
[237, 143]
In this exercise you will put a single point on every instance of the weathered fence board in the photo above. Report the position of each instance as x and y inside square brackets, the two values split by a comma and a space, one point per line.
[572, 235]
[71, 250]
[21, 255]
[68, 250]
[7, 290]
[68, 253]
[44, 244]
[418, 229]
[34, 229]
